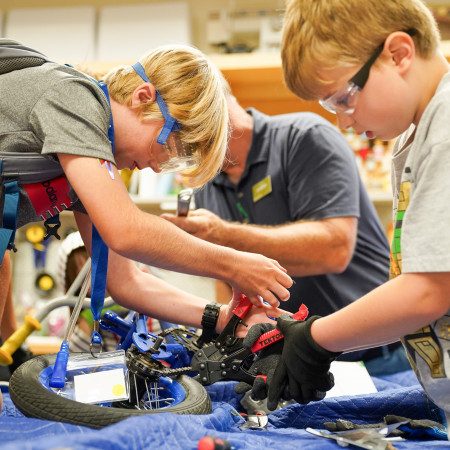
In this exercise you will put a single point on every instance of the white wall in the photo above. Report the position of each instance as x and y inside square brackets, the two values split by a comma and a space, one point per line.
[62, 34]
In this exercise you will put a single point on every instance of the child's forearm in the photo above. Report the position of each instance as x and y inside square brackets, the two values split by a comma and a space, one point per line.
[396, 308]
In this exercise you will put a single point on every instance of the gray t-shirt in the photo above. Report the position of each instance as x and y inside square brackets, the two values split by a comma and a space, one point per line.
[421, 235]
[52, 109]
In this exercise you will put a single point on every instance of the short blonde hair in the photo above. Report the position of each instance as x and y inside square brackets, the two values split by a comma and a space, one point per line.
[193, 90]
[325, 34]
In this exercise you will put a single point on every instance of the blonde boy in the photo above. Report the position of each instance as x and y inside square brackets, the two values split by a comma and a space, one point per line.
[377, 65]
[167, 108]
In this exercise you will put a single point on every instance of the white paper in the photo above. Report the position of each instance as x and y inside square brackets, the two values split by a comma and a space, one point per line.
[350, 378]
[105, 386]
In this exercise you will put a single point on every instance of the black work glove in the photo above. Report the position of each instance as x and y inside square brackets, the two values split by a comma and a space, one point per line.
[264, 364]
[413, 429]
[303, 372]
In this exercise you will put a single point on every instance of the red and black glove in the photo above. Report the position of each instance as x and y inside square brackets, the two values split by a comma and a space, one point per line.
[303, 373]
[264, 364]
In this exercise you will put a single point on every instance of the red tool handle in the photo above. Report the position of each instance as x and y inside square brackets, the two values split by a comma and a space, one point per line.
[243, 307]
[275, 335]
[213, 443]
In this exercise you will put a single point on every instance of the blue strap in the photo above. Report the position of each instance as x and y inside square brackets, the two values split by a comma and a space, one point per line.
[99, 267]
[104, 88]
[99, 257]
[10, 214]
[170, 124]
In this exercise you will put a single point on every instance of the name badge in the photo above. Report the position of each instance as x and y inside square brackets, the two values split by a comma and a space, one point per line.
[262, 188]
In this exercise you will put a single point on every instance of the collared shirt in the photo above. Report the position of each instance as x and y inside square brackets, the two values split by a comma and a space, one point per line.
[313, 176]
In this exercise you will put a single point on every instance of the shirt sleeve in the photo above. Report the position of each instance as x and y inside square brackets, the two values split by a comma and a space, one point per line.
[71, 118]
[323, 180]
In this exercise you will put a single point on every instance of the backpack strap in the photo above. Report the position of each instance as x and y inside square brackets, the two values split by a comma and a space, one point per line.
[10, 214]
[28, 168]
[15, 56]
[21, 169]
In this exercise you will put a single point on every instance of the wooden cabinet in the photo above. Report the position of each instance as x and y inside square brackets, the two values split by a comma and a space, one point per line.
[256, 80]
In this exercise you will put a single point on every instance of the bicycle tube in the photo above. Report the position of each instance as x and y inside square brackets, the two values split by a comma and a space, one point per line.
[33, 398]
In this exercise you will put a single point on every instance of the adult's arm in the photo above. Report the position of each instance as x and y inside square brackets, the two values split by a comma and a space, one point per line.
[148, 239]
[302, 247]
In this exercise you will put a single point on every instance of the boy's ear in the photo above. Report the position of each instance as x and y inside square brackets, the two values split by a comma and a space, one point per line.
[145, 93]
[402, 50]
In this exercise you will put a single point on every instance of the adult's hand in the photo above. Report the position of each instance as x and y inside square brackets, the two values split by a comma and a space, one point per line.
[201, 223]
[304, 369]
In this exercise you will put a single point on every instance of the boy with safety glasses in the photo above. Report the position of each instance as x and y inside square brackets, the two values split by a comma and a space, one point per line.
[167, 112]
[377, 65]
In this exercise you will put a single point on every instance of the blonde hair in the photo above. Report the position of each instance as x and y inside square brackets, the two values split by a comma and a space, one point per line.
[193, 90]
[325, 34]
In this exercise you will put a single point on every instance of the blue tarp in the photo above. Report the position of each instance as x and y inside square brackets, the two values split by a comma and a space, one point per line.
[398, 394]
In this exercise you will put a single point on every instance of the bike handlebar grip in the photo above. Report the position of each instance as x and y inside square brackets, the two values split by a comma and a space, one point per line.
[17, 339]
[58, 379]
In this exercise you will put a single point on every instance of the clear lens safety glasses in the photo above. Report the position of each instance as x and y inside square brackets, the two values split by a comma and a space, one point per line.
[178, 155]
[343, 101]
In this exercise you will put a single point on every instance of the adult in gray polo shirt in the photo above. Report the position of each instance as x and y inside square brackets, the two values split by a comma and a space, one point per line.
[290, 189]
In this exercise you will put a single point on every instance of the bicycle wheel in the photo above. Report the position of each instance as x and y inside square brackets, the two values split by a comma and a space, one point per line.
[31, 394]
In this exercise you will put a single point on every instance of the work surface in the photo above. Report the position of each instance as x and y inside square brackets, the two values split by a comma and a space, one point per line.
[398, 394]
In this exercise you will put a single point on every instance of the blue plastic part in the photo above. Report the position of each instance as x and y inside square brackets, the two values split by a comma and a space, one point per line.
[114, 323]
[58, 379]
[96, 339]
[141, 338]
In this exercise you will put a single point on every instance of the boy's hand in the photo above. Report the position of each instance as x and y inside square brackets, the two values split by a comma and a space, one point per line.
[264, 364]
[303, 372]
[257, 276]
[256, 315]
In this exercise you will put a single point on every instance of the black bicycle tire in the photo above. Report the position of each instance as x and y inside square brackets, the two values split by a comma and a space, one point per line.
[35, 400]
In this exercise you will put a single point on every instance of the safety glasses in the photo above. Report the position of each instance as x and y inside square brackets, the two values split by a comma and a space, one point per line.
[179, 155]
[345, 100]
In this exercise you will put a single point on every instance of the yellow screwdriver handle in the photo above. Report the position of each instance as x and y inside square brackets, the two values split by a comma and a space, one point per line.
[17, 339]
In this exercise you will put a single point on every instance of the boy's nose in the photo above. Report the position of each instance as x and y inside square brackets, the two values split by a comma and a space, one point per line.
[344, 121]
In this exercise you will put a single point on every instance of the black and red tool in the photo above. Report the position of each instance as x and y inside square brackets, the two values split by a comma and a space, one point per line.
[227, 358]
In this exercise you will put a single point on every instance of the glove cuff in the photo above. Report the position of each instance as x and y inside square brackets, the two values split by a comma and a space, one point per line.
[330, 356]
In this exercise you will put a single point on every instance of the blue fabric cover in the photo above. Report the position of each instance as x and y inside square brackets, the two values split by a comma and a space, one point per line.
[398, 394]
